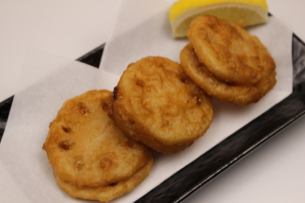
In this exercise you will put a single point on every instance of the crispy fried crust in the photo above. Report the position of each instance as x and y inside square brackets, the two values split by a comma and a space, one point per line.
[229, 52]
[84, 146]
[156, 104]
[238, 94]
[110, 192]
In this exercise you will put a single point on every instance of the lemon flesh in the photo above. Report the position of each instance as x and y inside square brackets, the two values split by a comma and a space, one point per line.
[242, 12]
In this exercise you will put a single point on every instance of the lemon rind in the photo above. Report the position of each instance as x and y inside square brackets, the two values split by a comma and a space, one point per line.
[181, 6]
[191, 13]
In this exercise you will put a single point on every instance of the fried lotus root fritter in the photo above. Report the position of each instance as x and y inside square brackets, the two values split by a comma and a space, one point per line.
[109, 192]
[238, 94]
[228, 51]
[86, 149]
[156, 104]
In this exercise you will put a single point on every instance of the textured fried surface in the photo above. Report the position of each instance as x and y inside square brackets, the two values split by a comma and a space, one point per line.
[84, 146]
[238, 94]
[110, 192]
[156, 104]
[229, 52]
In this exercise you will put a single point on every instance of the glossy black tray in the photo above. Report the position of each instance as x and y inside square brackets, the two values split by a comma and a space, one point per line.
[229, 151]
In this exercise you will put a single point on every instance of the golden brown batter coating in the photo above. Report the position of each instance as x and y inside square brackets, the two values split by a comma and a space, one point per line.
[156, 104]
[86, 149]
[228, 51]
[238, 94]
[109, 192]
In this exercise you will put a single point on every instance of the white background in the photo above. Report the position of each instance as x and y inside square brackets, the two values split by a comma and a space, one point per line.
[60, 30]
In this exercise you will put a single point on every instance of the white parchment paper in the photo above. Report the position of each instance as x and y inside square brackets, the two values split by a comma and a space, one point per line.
[142, 29]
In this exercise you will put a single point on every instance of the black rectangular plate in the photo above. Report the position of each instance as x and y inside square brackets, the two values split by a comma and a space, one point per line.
[229, 151]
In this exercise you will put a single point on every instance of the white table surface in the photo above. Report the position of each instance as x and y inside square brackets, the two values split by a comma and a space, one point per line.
[60, 29]
[273, 173]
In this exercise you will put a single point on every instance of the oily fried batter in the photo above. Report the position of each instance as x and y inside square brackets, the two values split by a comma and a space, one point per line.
[156, 104]
[86, 149]
[109, 192]
[228, 51]
[238, 94]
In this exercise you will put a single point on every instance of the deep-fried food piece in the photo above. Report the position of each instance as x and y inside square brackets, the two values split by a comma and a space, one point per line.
[156, 104]
[86, 149]
[110, 192]
[228, 51]
[238, 94]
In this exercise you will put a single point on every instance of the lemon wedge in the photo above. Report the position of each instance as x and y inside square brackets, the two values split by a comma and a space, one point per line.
[243, 12]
